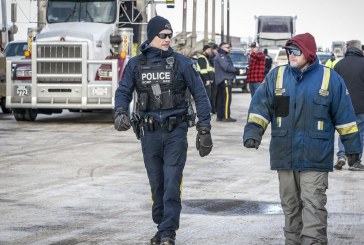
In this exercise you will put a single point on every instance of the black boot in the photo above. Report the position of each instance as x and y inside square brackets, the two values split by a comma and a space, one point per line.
[156, 240]
[168, 238]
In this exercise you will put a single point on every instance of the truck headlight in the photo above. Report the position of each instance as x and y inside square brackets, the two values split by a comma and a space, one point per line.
[23, 73]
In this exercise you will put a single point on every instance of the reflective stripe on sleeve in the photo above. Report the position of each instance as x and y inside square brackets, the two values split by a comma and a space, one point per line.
[347, 128]
[325, 79]
[258, 119]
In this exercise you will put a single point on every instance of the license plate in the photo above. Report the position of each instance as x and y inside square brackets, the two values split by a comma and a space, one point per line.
[21, 91]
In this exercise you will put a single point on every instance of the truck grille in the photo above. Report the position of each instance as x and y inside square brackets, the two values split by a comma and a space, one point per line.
[52, 63]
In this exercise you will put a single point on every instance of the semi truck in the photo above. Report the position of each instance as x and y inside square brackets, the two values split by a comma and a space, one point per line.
[274, 31]
[338, 48]
[74, 62]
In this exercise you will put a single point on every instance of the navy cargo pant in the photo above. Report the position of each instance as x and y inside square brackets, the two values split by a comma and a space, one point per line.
[164, 155]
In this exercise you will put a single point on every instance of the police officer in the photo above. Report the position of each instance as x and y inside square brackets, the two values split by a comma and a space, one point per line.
[161, 79]
[225, 73]
[304, 102]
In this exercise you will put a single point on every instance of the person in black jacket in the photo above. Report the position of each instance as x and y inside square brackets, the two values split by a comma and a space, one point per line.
[351, 68]
[206, 70]
[268, 62]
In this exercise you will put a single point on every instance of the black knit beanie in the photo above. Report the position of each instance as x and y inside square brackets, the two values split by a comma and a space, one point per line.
[156, 25]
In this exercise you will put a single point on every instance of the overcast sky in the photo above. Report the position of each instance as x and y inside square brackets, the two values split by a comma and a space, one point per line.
[326, 20]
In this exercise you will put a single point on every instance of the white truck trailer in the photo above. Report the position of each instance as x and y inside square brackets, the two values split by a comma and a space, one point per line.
[274, 31]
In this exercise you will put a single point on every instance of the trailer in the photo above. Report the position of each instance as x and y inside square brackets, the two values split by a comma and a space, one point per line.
[274, 31]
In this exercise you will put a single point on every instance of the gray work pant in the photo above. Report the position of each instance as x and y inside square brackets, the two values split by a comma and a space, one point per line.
[303, 202]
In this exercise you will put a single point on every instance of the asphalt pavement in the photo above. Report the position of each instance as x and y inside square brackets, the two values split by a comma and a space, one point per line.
[72, 179]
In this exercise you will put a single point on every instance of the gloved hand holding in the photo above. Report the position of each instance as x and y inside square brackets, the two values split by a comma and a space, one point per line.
[252, 143]
[121, 120]
[352, 158]
[203, 140]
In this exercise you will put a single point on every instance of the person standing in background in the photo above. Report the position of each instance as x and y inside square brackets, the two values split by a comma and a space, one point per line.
[351, 68]
[206, 70]
[214, 52]
[224, 75]
[256, 70]
[268, 62]
[332, 61]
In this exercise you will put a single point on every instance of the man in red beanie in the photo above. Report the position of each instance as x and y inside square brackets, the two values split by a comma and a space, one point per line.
[304, 102]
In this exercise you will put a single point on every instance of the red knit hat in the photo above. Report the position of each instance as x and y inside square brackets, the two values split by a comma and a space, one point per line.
[306, 43]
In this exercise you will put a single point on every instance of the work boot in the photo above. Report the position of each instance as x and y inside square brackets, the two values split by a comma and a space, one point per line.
[167, 241]
[357, 167]
[229, 120]
[156, 240]
[341, 161]
[168, 238]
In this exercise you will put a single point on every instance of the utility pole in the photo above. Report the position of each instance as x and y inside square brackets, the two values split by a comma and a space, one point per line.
[222, 21]
[183, 39]
[42, 4]
[228, 21]
[193, 35]
[213, 40]
[206, 31]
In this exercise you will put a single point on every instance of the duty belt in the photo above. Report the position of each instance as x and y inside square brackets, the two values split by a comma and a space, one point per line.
[150, 124]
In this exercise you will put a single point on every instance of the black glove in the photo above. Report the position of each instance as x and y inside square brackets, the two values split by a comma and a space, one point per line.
[251, 143]
[203, 140]
[352, 158]
[121, 120]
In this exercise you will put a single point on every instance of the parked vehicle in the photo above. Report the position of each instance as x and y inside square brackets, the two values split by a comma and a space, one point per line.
[339, 48]
[240, 61]
[75, 61]
[323, 57]
[13, 50]
[16, 48]
[279, 56]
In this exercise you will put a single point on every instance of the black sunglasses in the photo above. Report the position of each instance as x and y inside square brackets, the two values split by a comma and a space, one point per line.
[295, 52]
[164, 35]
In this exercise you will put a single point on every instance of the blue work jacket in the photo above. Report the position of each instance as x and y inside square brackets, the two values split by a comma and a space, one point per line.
[303, 123]
[185, 70]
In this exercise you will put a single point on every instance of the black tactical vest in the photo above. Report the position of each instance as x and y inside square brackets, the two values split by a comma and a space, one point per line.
[157, 86]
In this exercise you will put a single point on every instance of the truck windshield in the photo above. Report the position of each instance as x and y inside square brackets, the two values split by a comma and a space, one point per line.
[282, 24]
[100, 11]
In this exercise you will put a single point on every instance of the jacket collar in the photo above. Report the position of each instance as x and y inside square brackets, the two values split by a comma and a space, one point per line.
[152, 52]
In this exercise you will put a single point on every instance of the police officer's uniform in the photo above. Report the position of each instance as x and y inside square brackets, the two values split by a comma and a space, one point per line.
[161, 79]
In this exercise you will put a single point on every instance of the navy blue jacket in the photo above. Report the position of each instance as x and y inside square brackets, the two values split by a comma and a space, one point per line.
[186, 71]
[303, 136]
[224, 67]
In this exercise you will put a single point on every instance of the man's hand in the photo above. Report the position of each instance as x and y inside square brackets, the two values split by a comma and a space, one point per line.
[121, 120]
[203, 140]
[352, 158]
[251, 143]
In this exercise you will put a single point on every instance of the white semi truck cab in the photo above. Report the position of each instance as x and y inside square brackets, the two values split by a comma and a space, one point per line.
[74, 63]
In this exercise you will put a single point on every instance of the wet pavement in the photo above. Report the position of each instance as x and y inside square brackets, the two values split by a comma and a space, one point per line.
[72, 179]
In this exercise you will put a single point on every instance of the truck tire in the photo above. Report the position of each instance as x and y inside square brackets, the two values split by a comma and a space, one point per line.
[30, 114]
[19, 114]
[3, 106]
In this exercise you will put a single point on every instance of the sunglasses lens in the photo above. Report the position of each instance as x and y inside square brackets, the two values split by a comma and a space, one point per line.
[295, 52]
[164, 35]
